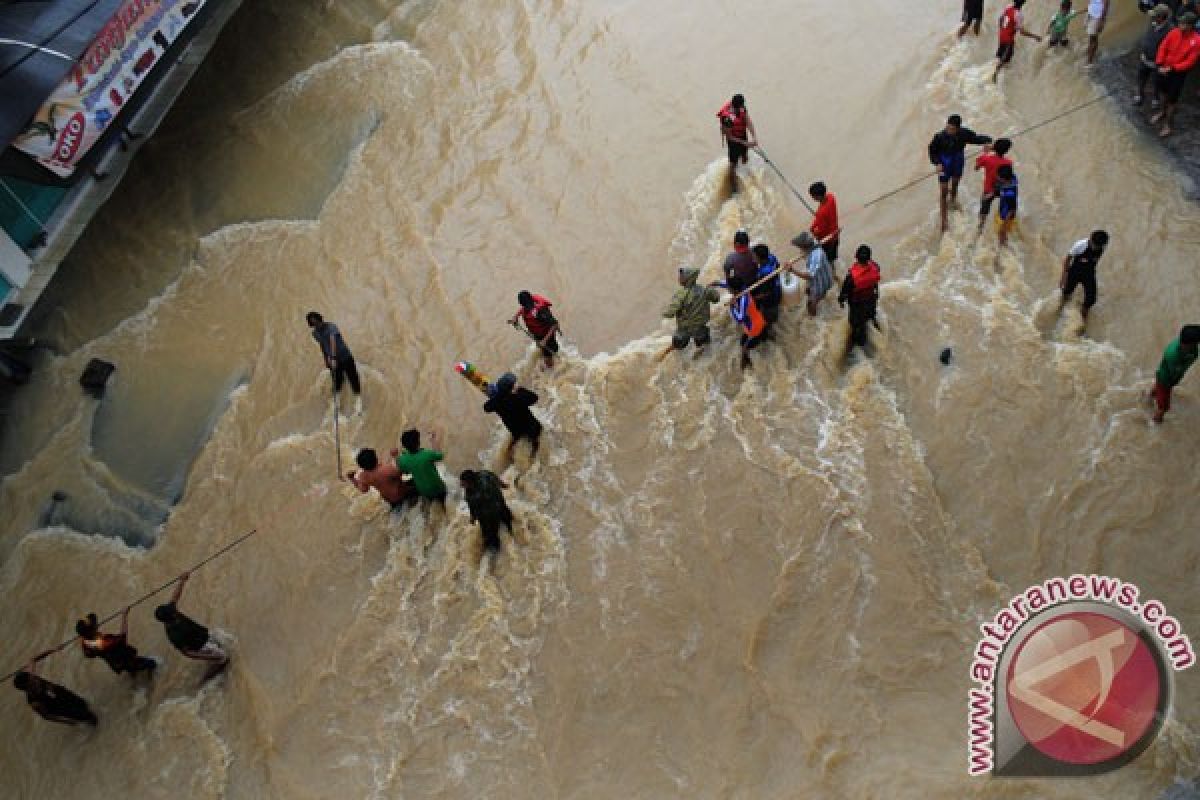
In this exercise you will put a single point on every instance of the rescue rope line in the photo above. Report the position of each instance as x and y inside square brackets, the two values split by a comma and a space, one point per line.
[143, 598]
[786, 182]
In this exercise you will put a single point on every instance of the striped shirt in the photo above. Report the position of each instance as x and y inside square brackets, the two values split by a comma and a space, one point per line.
[819, 271]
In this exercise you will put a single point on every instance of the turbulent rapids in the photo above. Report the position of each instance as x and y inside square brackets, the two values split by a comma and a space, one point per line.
[720, 583]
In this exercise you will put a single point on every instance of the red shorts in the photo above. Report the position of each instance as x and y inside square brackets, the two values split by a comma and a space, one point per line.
[1162, 397]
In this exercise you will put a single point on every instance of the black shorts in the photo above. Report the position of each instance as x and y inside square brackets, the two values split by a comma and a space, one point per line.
[701, 336]
[972, 11]
[1004, 52]
[985, 204]
[831, 250]
[1086, 277]
[551, 346]
[737, 151]
[1170, 86]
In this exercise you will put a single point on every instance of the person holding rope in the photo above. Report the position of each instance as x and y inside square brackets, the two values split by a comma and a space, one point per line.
[336, 356]
[746, 314]
[737, 132]
[534, 311]
[113, 648]
[512, 403]
[383, 478]
[947, 152]
[421, 464]
[51, 701]
[768, 287]
[189, 637]
[817, 274]
[825, 228]
[994, 157]
[1012, 22]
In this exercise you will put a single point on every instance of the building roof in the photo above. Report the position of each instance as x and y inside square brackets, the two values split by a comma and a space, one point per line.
[40, 41]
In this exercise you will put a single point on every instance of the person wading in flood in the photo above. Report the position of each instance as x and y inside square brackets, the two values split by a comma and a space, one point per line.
[485, 500]
[1012, 23]
[947, 152]
[972, 16]
[737, 131]
[861, 291]
[817, 272]
[994, 157]
[745, 312]
[769, 294]
[51, 701]
[189, 637]
[741, 261]
[512, 404]
[1006, 211]
[535, 312]
[336, 356]
[421, 464]
[825, 227]
[1079, 267]
[113, 648]
[690, 308]
[383, 478]
[1177, 359]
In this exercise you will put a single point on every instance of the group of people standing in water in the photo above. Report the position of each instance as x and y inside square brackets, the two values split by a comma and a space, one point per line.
[755, 279]
[192, 640]
[753, 275]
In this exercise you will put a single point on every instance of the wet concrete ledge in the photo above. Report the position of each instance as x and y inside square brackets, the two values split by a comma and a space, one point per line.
[1118, 74]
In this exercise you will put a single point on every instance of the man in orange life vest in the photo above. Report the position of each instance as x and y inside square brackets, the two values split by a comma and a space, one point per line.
[737, 130]
[861, 291]
[535, 312]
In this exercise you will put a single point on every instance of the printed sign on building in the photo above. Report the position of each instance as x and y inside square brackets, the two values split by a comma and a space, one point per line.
[110, 71]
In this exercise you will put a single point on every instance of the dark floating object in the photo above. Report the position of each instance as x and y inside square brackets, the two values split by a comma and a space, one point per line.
[95, 376]
[946, 356]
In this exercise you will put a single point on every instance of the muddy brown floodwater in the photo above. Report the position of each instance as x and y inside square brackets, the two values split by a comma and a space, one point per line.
[720, 584]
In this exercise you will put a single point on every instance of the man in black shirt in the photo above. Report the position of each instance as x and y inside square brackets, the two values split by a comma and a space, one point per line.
[512, 404]
[336, 355]
[51, 701]
[947, 152]
[190, 637]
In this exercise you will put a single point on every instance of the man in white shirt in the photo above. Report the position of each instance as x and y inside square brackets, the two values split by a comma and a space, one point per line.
[1097, 15]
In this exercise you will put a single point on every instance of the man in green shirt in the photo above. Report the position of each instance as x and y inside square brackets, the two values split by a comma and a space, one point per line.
[1179, 355]
[421, 464]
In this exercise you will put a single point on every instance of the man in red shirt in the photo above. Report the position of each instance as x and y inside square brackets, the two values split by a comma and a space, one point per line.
[1176, 56]
[1012, 22]
[825, 228]
[534, 311]
[992, 159]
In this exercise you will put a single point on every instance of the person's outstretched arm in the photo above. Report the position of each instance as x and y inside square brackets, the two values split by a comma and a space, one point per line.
[183, 579]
